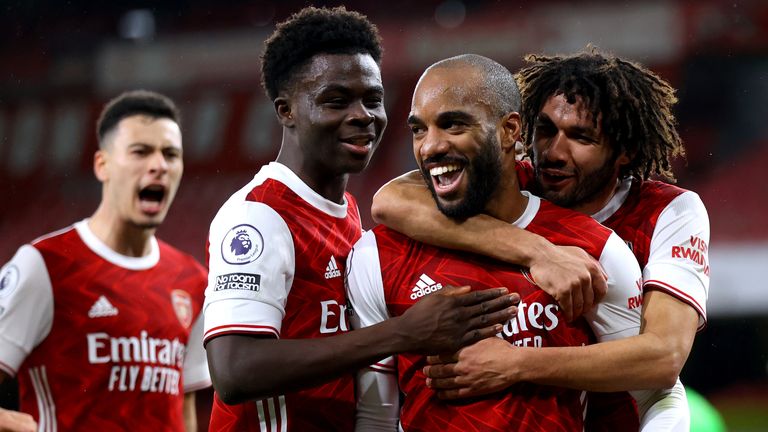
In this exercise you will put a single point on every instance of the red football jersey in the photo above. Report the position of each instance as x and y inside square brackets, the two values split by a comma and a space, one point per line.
[667, 229]
[635, 214]
[304, 241]
[404, 270]
[106, 337]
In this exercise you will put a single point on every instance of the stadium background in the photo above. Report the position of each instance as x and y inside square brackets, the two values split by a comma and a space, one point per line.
[62, 60]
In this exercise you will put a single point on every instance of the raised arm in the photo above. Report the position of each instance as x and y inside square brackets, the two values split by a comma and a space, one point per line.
[568, 274]
[249, 367]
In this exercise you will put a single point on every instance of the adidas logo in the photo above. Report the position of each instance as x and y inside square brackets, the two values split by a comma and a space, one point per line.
[102, 308]
[425, 286]
[332, 270]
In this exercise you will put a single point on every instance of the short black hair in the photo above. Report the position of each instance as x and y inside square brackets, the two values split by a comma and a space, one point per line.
[635, 103]
[313, 31]
[499, 85]
[135, 102]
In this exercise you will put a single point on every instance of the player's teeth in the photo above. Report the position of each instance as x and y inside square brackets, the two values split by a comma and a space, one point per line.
[436, 171]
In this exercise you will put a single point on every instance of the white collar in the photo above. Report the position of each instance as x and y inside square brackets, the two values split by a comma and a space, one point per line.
[616, 201]
[530, 211]
[101, 249]
[283, 174]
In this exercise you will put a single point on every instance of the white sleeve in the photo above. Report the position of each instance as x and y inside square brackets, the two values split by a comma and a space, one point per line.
[251, 267]
[678, 261]
[663, 410]
[196, 375]
[26, 307]
[378, 399]
[617, 315]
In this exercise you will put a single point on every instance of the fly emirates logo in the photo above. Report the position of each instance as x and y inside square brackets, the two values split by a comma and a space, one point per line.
[160, 361]
[531, 317]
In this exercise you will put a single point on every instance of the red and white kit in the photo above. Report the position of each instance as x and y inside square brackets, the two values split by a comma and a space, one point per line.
[102, 341]
[667, 229]
[277, 254]
[389, 272]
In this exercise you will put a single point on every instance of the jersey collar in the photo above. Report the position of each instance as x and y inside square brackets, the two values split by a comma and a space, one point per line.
[615, 202]
[284, 175]
[101, 249]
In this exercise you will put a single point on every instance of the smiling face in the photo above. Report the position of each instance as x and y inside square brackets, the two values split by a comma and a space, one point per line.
[455, 140]
[140, 168]
[336, 109]
[575, 163]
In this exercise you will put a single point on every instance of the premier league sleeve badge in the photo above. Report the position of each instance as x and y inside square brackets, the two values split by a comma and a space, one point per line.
[242, 244]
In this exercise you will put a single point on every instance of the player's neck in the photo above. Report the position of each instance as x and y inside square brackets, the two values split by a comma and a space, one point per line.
[121, 236]
[599, 199]
[507, 203]
[329, 186]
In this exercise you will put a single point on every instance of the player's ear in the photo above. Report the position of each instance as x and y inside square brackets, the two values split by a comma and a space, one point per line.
[100, 165]
[283, 110]
[510, 131]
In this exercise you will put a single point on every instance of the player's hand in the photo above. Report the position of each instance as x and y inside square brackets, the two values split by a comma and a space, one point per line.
[571, 276]
[14, 421]
[453, 317]
[476, 370]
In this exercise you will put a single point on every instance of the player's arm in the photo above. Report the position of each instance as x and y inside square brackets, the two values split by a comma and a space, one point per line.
[190, 412]
[196, 375]
[243, 320]
[569, 274]
[27, 303]
[651, 360]
[245, 367]
[14, 421]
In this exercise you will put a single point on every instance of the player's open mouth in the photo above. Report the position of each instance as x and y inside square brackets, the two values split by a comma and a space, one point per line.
[446, 178]
[151, 198]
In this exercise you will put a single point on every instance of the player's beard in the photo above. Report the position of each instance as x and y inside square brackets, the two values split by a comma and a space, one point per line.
[483, 177]
[587, 186]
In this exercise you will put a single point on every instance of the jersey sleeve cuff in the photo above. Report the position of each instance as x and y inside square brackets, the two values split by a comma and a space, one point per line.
[196, 385]
[235, 316]
[11, 357]
[685, 287]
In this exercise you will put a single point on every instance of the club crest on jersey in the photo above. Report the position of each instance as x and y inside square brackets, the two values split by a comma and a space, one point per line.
[242, 244]
[182, 305]
[9, 279]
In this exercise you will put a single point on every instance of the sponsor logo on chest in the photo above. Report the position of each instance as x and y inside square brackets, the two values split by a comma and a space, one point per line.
[532, 317]
[138, 363]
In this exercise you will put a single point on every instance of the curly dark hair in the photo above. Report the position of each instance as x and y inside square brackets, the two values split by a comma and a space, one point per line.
[314, 31]
[635, 103]
[131, 103]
